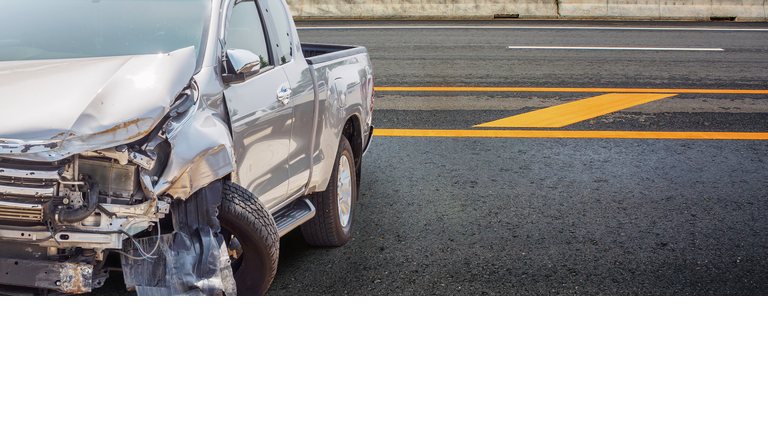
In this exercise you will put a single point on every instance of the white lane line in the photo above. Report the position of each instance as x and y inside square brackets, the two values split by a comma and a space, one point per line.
[612, 48]
[535, 28]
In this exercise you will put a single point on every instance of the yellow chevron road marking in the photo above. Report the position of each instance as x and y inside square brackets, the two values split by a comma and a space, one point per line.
[449, 133]
[564, 90]
[574, 112]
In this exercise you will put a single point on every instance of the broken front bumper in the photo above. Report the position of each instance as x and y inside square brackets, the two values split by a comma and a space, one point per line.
[72, 278]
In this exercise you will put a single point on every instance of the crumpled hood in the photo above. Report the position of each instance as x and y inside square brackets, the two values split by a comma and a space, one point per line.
[51, 109]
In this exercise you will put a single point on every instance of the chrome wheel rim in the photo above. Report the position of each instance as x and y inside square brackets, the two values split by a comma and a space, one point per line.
[344, 190]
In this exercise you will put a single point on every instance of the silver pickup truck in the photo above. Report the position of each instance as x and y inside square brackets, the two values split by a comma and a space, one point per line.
[182, 136]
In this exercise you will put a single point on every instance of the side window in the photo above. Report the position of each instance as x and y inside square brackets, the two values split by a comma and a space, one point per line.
[247, 32]
[283, 27]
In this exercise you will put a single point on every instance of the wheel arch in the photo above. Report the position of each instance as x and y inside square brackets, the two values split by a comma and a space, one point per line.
[328, 147]
[353, 131]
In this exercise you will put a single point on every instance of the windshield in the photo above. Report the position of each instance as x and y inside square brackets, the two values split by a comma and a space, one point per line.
[61, 29]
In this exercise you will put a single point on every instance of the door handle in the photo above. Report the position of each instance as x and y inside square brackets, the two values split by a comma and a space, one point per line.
[284, 94]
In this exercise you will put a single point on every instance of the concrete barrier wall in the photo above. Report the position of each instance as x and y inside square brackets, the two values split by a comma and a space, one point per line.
[743, 10]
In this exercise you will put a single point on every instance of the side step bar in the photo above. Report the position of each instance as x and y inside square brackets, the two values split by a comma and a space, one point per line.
[294, 215]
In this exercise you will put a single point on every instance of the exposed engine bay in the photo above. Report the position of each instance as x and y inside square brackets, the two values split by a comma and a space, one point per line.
[72, 210]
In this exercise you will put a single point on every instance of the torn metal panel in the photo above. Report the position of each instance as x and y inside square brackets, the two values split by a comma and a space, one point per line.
[202, 149]
[202, 170]
[109, 101]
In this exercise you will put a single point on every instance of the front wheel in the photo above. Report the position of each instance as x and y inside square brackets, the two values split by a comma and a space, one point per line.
[332, 225]
[251, 236]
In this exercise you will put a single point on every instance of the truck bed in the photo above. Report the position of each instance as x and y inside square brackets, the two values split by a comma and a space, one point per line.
[321, 53]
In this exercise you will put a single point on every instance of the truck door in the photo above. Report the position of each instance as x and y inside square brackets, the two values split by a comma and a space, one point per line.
[303, 91]
[260, 109]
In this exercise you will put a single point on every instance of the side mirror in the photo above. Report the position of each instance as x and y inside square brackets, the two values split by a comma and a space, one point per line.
[243, 61]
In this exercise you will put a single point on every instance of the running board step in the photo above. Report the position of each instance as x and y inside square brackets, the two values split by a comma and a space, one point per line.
[294, 215]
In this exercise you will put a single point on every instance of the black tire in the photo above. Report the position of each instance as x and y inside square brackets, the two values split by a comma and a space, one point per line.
[243, 217]
[326, 228]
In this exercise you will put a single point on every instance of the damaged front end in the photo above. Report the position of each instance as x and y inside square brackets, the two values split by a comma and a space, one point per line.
[62, 211]
[63, 217]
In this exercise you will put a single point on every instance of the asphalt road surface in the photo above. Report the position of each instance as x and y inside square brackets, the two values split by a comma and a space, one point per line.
[473, 215]
[561, 171]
